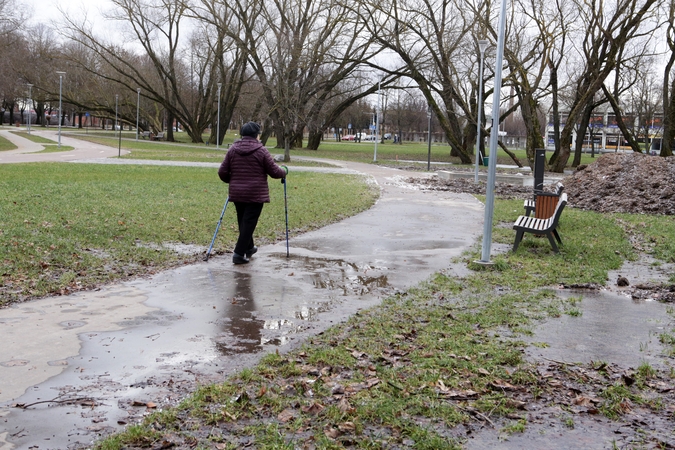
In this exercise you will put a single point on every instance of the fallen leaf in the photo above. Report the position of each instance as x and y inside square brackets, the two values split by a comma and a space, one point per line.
[262, 391]
[347, 427]
[286, 415]
[151, 405]
[344, 406]
[501, 384]
[483, 371]
[331, 433]
[314, 408]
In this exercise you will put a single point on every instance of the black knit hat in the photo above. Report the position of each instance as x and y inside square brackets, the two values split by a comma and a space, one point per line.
[251, 129]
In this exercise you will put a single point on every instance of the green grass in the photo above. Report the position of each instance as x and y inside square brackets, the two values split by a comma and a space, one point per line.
[34, 138]
[6, 145]
[54, 148]
[444, 353]
[65, 227]
[388, 152]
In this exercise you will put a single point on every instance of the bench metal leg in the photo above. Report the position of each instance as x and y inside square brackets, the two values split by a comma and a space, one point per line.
[549, 235]
[519, 237]
[557, 236]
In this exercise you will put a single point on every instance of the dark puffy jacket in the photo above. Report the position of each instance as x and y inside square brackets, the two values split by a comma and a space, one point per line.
[246, 167]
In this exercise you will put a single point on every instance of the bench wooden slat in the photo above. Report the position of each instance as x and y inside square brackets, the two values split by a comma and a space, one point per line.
[530, 204]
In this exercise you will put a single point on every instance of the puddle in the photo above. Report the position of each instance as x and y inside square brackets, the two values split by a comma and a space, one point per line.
[611, 328]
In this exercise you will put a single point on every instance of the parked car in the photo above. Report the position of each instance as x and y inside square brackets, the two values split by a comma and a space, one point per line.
[348, 137]
[368, 137]
[386, 136]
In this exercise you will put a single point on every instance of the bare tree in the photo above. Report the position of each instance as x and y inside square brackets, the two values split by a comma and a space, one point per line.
[161, 70]
[606, 33]
[669, 85]
[431, 39]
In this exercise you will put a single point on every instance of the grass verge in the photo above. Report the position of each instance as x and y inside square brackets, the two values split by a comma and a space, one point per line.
[66, 227]
[389, 153]
[407, 373]
[6, 145]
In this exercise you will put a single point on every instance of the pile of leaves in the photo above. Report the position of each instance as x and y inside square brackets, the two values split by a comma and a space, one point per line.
[624, 182]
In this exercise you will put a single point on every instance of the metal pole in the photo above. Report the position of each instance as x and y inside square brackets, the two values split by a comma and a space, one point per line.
[115, 132]
[138, 106]
[377, 119]
[119, 147]
[429, 139]
[494, 136]
[220, 85]
[30, 97]
[482, 45]
[60, 96]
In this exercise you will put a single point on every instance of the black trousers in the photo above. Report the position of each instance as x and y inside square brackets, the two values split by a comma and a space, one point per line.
[247, 218]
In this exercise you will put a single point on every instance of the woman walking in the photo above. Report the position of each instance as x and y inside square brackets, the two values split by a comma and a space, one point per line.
[246, 167]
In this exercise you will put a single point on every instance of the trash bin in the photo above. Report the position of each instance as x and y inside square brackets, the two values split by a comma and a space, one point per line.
[486, 160]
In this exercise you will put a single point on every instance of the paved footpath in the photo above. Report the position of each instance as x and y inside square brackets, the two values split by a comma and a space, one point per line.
[90, 361]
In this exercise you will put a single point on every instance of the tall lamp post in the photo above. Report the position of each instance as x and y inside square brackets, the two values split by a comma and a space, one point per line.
[482, 45]
[30, 102]
[494, 138]
[115, 132]
[61, 74]
[220, 85]
[138, 106]
[377, 119]
[429, 138]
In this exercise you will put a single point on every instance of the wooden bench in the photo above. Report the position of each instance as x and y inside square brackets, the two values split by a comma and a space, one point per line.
[530, 205]
[159, 137]
[145, 134]
[547, 226]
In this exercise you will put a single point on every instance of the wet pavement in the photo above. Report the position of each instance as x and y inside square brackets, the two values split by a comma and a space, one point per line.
[87, 364]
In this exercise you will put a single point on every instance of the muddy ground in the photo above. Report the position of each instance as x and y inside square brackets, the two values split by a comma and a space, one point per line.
[566, 398]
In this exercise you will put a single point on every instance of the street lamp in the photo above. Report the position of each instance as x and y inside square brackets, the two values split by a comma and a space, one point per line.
[61, 74]
[138, 104]
[220, 85]
[378, 111]
[429, 139]
[30, 98]
[482, 45]
[115, 132]
[494, 138]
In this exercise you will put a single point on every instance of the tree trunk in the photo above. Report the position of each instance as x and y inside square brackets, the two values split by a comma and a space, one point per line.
[287, 148]
[581, 133]
[669, 125]
[314, 139]
[619, 121]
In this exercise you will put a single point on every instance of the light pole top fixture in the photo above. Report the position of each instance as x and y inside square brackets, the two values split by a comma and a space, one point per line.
[482, 45]
[60, 72]
[29, 85]
[138, 90]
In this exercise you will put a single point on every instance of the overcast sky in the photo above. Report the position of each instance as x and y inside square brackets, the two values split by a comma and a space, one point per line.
[47, 10]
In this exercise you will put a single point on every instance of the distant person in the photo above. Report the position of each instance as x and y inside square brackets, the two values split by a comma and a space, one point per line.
[246, 166]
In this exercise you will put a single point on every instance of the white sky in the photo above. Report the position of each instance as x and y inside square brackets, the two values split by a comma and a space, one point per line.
[48, 10]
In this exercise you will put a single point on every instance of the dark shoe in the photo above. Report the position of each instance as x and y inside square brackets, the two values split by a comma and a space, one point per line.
[251, 251]
[238, 259]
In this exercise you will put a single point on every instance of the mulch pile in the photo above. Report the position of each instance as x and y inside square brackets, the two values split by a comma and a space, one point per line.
[624, 182]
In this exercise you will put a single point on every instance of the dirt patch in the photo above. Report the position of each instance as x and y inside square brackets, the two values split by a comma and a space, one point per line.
[626, 183]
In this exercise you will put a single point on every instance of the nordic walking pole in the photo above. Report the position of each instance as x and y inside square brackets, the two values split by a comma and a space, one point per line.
[208, 253]
[283, 180]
